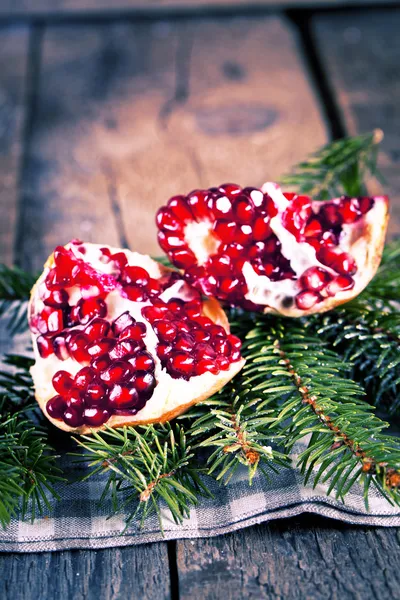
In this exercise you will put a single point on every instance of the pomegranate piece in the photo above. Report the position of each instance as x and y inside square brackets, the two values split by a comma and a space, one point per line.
[121, 367]
[261, 249]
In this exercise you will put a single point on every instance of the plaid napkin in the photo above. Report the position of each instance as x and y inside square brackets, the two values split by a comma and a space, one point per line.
[77, 521]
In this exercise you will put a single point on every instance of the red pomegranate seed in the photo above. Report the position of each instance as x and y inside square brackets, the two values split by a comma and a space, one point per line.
[192, 309]
[95, 417]
[204, 350]
[180, 364]
[120, 258]
[84, 377]
[306, 300]
[341, 283]
[96, 394]
[184, 342]
[206, 365]
[203, 322]
[234, 250]
[144, 383]
[135, 276]
[261, 228]
[220, 265]
[166, 330]
[101, 346]
[165, 219]
[67, 267]
[55, 298]
[62, 382]
[135, 293]
[154, 313]
[201, 335]
[328, 238]
[123, 397]
[153, 288]
[244, 235]
[222, 346]
[179, 207]
[143, 361]
[100, 363]
[44, 345]
[314, 279]
[136, 332]
[73, 317]
[182, 326]
[230, 286]
[365, 204]
[223, 362]
[96, 329]
[117, 372]
[331, 214]
[197, 200]
[230, 189]
[77, 344]
[90, 308]
[183, 258]
[255, 195]
[344, 264]
[244, 210]
[225, 231]
[73, 417]
[313, 228]
[349, 210]
[222, 207]
[125, 348]
[235, 355]
[164, 350]
[121, 322]
[60, 346]
[176, 306]
[75, 398]
[56, 406]
[170, 241]
[217, 331]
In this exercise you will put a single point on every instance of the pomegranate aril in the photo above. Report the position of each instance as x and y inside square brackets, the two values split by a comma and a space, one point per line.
[184, 342]
[225, 231]
[100, 347]
[73, 316]
[45, 346]
[176, 306]
[73, 417]
[255, 195]
[180, 364]
[121, 322]
[235, 355]
[234, 250]
[222, 346]
[143, 361]
[328, 238]
[75, 398]
[77, 344]
[220, 265]
[179, 207]
[217, 331]
[66, 267]
[230, 286]
[204, 350]
[344, 264]
[314, 279]
[244, 235]
[125, 348]
[120, 258]
[331, 215]
[95, 417]
[60, 346]
[341, 283]
[269, 206]
[96, 394]
[117, 372]
[98, 328]
[54, 320]
[183, 258]
[223, 362]
[100, 363]
[197, 200]
[261, 228]
[122, 396]
[90, 308]
[164, 350]
[170, 241]
[222, 207]
[62, 382]
[135, 276]
[165, 219]
[182, 326]
[306, 300]
[166, 330]
[192, 309]
[136, 332]
[206, 365]
[84, 377]
[135, 293]
[153, 288]
[244, 210]
[203, 322]
[313, 228]
[154, 313]
[365, 204]
[55, 298]
[230, 189]
[56, 407]
[144, 383]
[201, 335]
[349, 210]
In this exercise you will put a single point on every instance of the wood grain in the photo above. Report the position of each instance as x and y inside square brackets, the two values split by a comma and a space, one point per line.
[131, 114]
[88, 8]
[111, 574]
[13, 79]
[361, 56]
[305, 557]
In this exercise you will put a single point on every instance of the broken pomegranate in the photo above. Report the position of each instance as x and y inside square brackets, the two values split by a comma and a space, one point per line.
[121, 340]
[263, 249]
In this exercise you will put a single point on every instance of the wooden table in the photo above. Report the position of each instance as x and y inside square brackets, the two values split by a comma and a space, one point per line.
[103, 116]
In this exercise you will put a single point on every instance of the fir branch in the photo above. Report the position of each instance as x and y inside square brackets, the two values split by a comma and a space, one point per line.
[15, 285]
[146, 466]
[338, 168]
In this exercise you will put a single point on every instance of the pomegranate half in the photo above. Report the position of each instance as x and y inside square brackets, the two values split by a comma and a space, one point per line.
[121, 340]
[263, 249]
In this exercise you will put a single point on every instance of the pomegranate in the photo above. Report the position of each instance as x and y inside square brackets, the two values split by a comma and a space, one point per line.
[121, 340]
[263, 249]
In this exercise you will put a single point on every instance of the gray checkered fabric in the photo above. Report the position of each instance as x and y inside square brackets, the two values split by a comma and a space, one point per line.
[77, 521]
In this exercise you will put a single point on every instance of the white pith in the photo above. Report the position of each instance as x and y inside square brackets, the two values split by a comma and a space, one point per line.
[169, 393]
[201, 240]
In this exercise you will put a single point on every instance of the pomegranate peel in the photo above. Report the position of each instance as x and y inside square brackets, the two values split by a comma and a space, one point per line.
[275, 252]
[104, 361]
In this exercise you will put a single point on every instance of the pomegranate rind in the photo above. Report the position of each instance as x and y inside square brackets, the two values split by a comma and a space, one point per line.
[176, 401]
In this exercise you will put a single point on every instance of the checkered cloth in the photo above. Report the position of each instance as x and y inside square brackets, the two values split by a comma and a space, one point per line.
[77, 521]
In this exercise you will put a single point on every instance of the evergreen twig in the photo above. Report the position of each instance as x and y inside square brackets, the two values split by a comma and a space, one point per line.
[15, 285]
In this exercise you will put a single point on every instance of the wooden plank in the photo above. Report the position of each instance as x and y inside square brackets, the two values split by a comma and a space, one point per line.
[131, 572]
[305, 557]
[14, 54]
[361, 56]
[88, 8]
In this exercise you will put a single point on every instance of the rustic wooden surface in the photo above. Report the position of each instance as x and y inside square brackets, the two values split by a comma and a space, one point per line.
[361, 56]
[107, 100]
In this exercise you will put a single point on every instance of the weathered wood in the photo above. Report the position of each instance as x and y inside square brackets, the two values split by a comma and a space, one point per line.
[13, 78]
[305, 557]
[116, 573]
[88, 8]
[361, 56]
